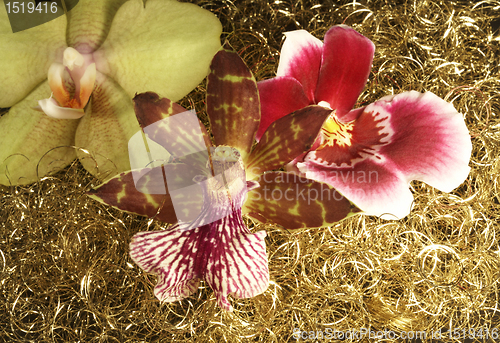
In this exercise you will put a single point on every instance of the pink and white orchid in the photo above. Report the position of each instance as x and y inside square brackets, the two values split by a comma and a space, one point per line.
[92, 61]
[369, 154]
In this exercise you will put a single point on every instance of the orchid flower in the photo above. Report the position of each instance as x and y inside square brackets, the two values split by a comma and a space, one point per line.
[209, 240]
[89, 64]
[369, 154]
[223, 252]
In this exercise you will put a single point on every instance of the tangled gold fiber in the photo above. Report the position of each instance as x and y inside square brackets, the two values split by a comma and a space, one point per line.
[65, 272]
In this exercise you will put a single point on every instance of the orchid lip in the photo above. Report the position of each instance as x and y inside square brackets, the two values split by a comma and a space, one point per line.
[344, 144]
[50, 107]
[78, 70]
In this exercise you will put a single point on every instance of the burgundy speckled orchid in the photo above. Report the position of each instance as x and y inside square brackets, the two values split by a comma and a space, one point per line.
[369, 154]
[210, 240]
[92, 61]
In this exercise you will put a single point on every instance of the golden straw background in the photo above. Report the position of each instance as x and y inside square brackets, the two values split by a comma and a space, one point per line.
[65, 273]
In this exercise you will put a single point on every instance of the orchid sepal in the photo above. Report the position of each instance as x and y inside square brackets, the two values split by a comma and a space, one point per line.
[173, 127]
[233, 105]
[286, 138]
[33, 144]
[294, 202]
[148, 196]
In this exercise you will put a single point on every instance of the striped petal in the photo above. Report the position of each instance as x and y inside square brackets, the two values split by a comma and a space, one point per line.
[232, 102]
[286, 138]
[294, 202]
[222, 251]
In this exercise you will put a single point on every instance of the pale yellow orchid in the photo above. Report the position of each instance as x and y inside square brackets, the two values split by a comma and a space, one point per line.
[89, 64]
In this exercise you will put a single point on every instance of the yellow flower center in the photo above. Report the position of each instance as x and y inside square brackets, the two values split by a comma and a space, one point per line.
[335, 132]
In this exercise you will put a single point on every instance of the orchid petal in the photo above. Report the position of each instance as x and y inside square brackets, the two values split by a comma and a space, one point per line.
[376, 189]
[26, 56]
[301, 59]
[106, 129]
[294, 202]
[428, 141]
[165, 47]
[86, 85]
[286, 138]
[230, 258]
[278, 97]
[232, 102]
[33, 144]
[176, 129]
[89, 23]
[149, 195]
[56, 83]
[51, 108]
[222, 251]
[431, 142]
[346, 65]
